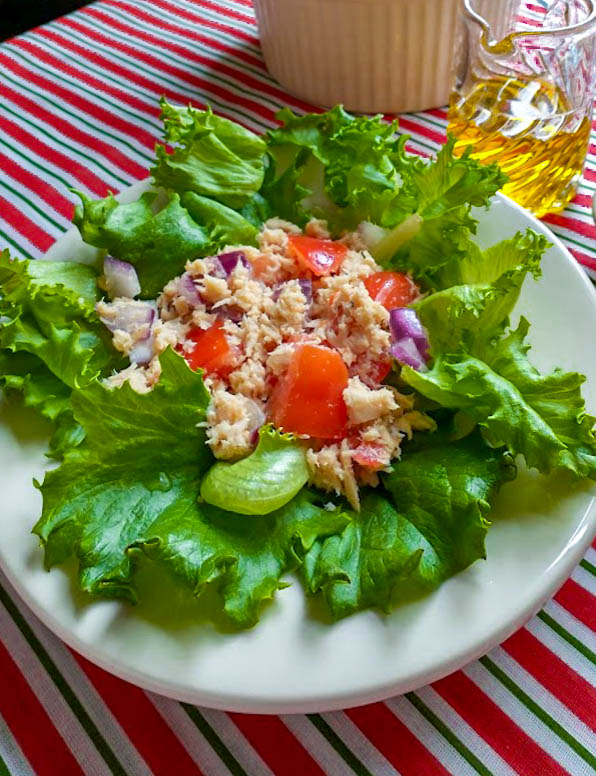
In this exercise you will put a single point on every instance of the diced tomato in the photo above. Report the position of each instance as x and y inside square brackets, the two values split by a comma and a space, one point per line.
[211, 352]
[371, 455]
[391, 289]
[309, 398]
[321, 257]
[379, 371]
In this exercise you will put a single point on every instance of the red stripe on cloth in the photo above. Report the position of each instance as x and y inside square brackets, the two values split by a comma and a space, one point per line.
[130, 75]
[278, 747]
[395, 741]
[225, 10]
[49, 154]
[24, 226]
[68, 130]
[421, 129]
[583, 200]
[578, 602]
[185, 75]
[81, 104]
[81, 74]
[30, 724]
[570, 688]
[150, 734]
[573, 224]
[584, 259]
[195, 55]
[190, 34]
[36, 185]
[496, 728]
[202, 21]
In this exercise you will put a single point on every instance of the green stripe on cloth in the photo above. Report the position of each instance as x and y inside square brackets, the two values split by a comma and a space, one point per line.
[214, 740]
[27, 158]
[17, 246]
[68, 148]
[77, 708]
[31, 204]
[335, 741]
[448, 735]
[585, 564]
[535, 709]
[4, 768]
[569, 637]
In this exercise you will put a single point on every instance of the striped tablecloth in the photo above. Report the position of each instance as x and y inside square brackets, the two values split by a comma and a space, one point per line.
[78, 108]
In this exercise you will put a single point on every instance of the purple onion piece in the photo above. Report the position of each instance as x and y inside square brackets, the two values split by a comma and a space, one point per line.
[230, 312]
[142, 352]
[229, 261]
[406, 352]
[404, 323]
[189, 291]
[257, 419]
[306, 288]
[121, 278]
[129, 315]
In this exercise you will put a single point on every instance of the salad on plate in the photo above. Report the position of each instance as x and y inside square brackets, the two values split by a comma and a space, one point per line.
[289, 355]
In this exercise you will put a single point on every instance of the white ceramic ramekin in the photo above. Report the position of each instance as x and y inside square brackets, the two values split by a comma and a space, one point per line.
[371, 55]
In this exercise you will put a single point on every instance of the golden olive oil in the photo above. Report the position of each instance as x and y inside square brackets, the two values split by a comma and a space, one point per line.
[527, 127]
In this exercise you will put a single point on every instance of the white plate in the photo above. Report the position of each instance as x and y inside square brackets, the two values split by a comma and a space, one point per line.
[293, 662]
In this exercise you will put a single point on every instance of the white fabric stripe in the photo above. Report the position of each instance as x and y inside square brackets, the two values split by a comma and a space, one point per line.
[19, 241]
[544, 698]
[565, 651]
[169, 81]
[590, 556]
[230, 21]
[585, 580]
[212, 54]
[213, 36]
[97, 94]
[12, 754]
[90, 699]
[359, 744]
[533, 727]
[75, 149]
[236, 742]
[57, 177]
[51, 699]
[189, 735]
[229, 37]
[40, 217]
[571, 623]
[224, 81]
[119, 138]
[466, 734]
[73, 121]
[315, 743]
[429, 737]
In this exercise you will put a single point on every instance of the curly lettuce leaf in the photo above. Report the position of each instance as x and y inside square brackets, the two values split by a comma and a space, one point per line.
[214, 157]
[133, 485]
[158, 244]
[263, 481]
[224, 225]
[541, 417]
[433, 526]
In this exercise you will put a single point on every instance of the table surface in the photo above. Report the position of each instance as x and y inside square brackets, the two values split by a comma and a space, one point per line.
[78, 108]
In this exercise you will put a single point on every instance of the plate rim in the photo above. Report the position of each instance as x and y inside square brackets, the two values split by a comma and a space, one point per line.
[225, 700]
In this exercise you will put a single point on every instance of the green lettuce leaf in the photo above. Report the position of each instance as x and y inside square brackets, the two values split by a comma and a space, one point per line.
[433, 527]
[158, 244]
[224, 225]
[541, 417]
[133, 484]
[263, 481]
[215, 157]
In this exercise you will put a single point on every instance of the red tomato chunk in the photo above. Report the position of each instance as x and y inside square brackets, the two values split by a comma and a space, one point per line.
[309, 398]
[211, 352]
[391, 289]
[321, 257]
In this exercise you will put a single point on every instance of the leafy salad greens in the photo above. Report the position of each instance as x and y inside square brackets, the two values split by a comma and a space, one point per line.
[135, 475]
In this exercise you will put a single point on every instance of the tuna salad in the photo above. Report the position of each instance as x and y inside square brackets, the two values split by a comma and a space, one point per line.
[288, 356]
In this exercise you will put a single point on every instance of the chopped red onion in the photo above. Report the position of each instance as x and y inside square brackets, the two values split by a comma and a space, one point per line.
[406, 352]
[189, 291]
[128, 315]
[143, 351]
[230, 312]
[404, 324]
[121, 278]
[257, 419]
[229, 261]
